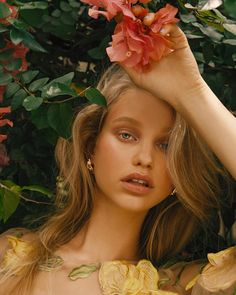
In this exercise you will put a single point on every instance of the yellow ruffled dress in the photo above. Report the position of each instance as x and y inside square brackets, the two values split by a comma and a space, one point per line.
[124, 278]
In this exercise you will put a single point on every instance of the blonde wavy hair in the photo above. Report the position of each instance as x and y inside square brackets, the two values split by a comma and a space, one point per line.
[168, 226]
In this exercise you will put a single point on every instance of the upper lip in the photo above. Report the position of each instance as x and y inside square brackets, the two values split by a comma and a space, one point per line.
[140, 177]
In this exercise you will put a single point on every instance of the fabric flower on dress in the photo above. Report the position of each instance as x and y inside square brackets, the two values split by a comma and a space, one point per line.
[218, 276]
[19, 249]
[124, 278]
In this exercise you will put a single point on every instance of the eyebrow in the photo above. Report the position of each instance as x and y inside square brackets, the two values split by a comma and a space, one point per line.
[137, 123]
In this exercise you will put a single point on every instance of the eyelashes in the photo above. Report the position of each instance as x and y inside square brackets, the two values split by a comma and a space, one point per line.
[126, 136]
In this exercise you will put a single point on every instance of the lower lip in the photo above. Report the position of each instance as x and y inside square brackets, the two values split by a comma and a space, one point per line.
[136, 188]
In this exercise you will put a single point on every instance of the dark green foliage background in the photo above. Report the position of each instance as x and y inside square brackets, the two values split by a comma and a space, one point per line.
[68, 40]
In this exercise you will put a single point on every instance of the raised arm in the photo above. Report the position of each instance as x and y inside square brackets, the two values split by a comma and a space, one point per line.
[177, 80]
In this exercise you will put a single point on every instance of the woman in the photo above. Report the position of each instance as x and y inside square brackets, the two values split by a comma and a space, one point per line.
[139, 180]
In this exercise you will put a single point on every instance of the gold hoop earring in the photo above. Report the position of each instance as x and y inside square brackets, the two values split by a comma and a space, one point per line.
[89, 165]
[173, 192]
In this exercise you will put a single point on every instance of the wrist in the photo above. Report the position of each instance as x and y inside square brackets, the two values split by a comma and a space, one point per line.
[193, 95]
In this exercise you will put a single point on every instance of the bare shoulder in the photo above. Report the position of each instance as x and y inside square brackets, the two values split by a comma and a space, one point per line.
[20, 233]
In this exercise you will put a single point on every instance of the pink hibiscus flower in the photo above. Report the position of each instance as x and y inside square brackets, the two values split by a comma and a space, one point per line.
[111, 8]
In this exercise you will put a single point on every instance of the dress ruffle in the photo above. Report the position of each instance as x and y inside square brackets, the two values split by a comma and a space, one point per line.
[121, 277]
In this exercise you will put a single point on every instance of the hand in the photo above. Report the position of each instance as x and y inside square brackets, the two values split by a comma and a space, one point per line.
[174, 76]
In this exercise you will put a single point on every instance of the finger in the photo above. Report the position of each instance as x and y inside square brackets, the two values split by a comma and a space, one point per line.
[176, 35]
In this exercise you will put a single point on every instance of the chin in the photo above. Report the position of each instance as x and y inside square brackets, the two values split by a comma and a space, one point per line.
[136, 204]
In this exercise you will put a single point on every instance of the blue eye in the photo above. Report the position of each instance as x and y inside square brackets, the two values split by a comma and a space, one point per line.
[125, 136]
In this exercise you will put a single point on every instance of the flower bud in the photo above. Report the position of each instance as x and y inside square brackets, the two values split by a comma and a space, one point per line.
[139, 11]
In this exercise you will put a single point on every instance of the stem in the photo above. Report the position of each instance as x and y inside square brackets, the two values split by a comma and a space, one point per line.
[23, 197]
[23, 87]
[67, 99]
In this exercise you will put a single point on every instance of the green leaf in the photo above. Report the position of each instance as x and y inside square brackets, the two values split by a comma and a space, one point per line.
[16, 36]
[34, 5]
[66, 79]
[10, 201]
[211, 4]
[188, 18]
[74, 4]
[18, 99]
[56, 89]
[230, 7]
[56, 13]
[230, 27]
[67, 19]
[83, 271]
[5, 79]
[3, 28]
[65, 6]
[28, 76]
[31, 43]
[6, 54]
[10, 184]
[39, 118]
[14, 65]
[32, 102]
[210, 32]
[39, 189]
[4, 10]
[95, 96]
[60, 118]
[230, 41]
[28, 39]
[36, 85]
[19, 24]
[11, 89]
[204, 5]
[34, 17]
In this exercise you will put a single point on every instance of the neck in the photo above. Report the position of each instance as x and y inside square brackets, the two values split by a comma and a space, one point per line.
[111, 234]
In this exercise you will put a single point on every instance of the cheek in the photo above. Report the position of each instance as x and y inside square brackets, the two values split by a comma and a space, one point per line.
[108, 152]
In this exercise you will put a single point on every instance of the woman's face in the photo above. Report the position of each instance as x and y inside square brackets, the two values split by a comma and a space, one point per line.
[130, 154]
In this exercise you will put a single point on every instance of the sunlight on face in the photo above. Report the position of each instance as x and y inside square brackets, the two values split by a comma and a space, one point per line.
[132, 144]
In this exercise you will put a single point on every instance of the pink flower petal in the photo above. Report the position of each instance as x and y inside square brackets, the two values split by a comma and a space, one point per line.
[110, 8]
[165, 15]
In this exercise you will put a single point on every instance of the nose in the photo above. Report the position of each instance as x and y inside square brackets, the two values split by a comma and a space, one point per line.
[143, 156]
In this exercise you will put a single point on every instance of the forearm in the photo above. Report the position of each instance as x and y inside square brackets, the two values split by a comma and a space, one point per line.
[216, 125]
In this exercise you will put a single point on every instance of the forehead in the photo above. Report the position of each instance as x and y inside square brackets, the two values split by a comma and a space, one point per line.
[143, 107]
